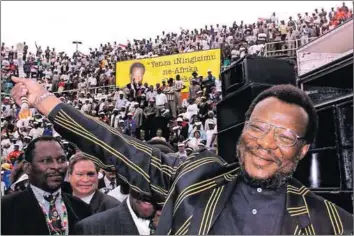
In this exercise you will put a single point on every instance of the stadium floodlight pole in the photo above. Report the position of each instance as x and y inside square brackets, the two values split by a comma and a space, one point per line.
[77, 45]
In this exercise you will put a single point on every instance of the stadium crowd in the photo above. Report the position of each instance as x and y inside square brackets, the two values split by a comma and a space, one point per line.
[154, 113]
[149, 111]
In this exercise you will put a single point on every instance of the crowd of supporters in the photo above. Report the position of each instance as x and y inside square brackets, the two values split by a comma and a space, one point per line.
[146, 111]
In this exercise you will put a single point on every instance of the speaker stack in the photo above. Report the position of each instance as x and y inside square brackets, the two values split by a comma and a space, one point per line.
[328, 168]
[241, 83]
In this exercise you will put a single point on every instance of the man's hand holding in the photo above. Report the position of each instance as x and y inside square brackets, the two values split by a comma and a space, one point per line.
[26, 87]
[35, 93]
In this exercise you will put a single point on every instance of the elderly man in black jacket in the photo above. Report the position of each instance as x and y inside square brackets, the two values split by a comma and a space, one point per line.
[258, 197]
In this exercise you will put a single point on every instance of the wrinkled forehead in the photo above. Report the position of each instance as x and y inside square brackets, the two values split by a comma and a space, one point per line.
[279, 113]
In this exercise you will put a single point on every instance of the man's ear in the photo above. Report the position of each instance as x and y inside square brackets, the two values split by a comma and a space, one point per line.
[27, 167]
[303, 151]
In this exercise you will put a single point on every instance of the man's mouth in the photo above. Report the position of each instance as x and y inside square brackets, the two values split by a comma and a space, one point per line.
[85, 186]
[264, 155]
[55, 178]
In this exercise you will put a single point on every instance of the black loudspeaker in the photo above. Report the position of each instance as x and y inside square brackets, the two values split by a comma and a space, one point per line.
[250, 69]
[232, 108]
[328, 167]
[227, 140]
[328, 164]
[344, 127]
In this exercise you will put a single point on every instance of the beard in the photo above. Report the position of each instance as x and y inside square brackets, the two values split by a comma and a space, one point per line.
[276, 181]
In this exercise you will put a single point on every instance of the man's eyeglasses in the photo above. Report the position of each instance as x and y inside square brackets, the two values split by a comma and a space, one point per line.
[282, 136]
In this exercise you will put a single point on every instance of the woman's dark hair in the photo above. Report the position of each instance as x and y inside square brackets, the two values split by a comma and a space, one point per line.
[137, 65]
[292, 95]
[29, 152]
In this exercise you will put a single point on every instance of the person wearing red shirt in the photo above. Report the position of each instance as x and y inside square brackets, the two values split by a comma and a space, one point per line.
[12, 157]
[61, 85]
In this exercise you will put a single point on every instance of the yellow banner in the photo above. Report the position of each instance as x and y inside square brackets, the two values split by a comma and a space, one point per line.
[154, 70]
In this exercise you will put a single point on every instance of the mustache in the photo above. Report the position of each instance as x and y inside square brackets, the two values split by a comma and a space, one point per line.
[54, 173]
[261, 153]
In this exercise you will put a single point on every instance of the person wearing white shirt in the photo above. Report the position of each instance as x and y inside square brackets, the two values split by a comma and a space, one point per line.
[119, 193]
[210, 134]
[114, 119]
[307, 18]
[161, 101]
[36, 131]
[181, 150]
[196, 140]
[82, 84]
[121, 101]
[5, 141]
[21, 130]
[92, 81]
[192, 109]
[6, 109]
[141, 212]
[108, 182]
[215, 44]
[150, 93]
[102, 105]
[86, 107]
[229, 38]
[274, 19]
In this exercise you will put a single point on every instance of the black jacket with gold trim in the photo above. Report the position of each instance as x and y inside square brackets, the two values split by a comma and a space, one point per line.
[193, 193]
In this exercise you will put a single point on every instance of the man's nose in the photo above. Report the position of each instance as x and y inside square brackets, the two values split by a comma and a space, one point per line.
[268, 141]
[55, 165]
[85, 178]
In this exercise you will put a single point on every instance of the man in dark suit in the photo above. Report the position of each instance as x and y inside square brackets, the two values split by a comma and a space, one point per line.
[132, 217]
[42, 208]
[83, 177]
[136, 215]
[109, 180]
[259, 194]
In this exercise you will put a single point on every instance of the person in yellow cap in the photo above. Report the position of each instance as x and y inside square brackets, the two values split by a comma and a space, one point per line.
[6, 170]
[6, 166]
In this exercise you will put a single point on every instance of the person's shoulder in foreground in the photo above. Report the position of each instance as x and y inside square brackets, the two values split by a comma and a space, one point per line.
[322, 215]
[21, 213]
[112, 221]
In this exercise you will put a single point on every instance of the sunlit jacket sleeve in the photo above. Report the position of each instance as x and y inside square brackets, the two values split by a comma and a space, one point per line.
[146, 169]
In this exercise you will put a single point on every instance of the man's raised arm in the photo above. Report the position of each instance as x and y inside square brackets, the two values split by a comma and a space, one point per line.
[146, 169]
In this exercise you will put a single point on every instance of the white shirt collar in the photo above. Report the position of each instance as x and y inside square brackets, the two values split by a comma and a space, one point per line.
[141, 224]
[88, 198]
[107, 182]
[39, 194]
[117, 194]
